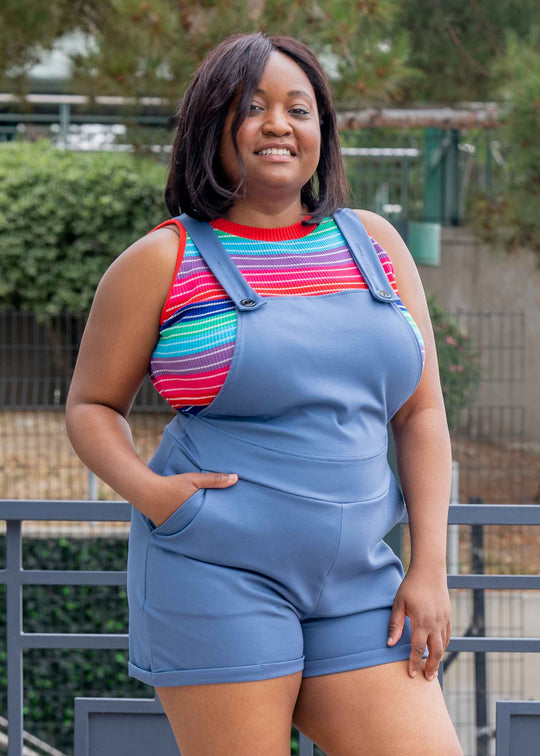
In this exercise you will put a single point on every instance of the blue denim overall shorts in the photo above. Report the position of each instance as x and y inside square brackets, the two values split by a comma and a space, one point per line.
[286, 569]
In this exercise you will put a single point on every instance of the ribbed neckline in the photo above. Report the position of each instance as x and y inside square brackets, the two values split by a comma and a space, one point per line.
[296, 231]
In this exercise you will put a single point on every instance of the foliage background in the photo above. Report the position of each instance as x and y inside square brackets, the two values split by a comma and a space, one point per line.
[64, 217]
[376, 52]
[510, 217]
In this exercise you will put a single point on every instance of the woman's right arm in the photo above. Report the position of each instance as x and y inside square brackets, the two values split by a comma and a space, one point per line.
[120, 335]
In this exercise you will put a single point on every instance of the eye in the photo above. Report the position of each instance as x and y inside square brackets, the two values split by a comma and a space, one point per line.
[254, 106]
[303, 111]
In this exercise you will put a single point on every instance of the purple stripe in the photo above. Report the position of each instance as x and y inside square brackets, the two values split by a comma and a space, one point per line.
[277, 262]
[201, 362]
[336, 256]
[191, 265]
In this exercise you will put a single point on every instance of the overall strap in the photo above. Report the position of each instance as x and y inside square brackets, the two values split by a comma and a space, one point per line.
[219, 261]
[365, 254]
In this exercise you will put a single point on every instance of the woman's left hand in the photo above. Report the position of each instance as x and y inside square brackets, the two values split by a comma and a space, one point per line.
[423, 596]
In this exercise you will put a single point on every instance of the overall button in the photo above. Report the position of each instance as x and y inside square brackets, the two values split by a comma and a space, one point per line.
[384, 293]
[247, 302]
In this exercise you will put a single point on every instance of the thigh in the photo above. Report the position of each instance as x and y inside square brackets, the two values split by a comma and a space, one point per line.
[251, 718]
[376, 711]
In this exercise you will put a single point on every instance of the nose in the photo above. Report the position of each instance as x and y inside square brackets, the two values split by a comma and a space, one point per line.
[277, 122]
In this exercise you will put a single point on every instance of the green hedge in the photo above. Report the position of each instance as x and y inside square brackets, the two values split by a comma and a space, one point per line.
[65, 216]
[53, 678]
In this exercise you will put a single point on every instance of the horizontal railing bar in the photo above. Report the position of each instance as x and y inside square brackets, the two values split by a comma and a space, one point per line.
[509, 645]
[110, 577]
[73, 640]
[68, 577]
[98, 511]
[524, 582]
[74, 99]
[380, 152]
[496, 514]
[110, 641]
[110, 511]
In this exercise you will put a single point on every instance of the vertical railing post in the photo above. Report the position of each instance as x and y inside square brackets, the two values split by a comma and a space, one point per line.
[488, 168]
[405, 188]
[65, 118]
[305, 746]
[451, 209]
[433, 175]
[479, 630]
[14, 630]
[453, 530]
[92, 486]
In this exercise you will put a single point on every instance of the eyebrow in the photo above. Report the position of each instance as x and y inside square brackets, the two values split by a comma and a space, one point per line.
[291, 93]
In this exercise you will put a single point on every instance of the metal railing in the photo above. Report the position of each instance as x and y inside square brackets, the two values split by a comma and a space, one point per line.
[15, 512]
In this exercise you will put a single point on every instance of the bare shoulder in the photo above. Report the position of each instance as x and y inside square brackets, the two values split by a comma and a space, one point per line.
[380, 229]
[144, 270]
[124, 321]
[151, 255]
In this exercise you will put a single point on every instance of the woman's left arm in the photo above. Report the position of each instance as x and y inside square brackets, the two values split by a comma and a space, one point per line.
[424, 462]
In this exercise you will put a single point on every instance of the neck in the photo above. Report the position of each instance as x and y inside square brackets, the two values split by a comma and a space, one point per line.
[266, 214]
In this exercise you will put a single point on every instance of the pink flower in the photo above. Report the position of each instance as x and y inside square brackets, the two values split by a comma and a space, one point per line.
[460, 368]
[453, 368]
[450, 340]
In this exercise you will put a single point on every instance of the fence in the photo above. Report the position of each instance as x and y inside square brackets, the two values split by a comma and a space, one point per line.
[15, 577]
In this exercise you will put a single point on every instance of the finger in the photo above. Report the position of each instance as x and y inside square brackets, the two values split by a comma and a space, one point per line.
[418, 646]
[448, 635]
[395, 625]
[436, 652]
[214, 479]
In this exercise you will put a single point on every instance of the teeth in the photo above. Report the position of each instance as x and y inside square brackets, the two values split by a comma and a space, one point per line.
[274, 151]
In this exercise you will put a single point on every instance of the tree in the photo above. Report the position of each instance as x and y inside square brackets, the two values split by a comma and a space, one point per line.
[376, 51]
[511, 215]
[456, 44]
[151, 47]
[30, 28]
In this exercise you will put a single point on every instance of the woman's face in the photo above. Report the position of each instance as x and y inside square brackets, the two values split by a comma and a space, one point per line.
[283, 115]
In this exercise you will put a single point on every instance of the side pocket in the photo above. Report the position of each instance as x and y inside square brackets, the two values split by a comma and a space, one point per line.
[178, 461]
[181, 517]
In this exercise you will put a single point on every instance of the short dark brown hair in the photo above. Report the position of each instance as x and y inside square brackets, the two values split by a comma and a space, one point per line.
[196, 183]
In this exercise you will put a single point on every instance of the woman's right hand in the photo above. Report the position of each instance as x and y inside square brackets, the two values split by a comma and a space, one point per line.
[168, 492]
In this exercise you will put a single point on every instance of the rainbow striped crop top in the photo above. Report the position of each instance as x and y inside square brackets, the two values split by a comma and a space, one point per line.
[190, 361]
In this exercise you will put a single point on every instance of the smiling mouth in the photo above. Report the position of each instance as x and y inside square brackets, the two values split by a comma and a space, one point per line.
[273, 151]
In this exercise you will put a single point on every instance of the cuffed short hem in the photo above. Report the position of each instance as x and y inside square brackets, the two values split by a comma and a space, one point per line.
[216, 674]
[358, 661]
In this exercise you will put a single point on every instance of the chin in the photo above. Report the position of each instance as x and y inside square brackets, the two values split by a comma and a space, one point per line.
[278, 182]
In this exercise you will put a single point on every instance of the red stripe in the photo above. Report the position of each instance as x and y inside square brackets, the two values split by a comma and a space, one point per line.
[179, 258]
[296, 231]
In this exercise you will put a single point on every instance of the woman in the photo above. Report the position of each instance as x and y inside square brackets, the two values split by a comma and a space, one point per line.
[287, 333]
